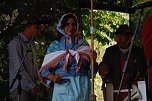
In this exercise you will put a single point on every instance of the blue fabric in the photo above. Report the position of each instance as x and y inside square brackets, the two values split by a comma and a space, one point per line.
[45, 73]
[75, 89]
[75, 86]
[60, 45]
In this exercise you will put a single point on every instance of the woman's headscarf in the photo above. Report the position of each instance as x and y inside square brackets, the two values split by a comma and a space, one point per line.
[60, 26]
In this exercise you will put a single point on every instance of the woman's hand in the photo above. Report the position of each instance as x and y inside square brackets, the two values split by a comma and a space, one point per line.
[55, 78]
[93, 55]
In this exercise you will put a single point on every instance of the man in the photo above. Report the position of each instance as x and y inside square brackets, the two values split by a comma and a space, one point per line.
[112, 65]
[21, 49]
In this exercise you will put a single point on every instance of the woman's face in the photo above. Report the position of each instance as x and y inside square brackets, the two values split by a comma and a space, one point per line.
[70, 27]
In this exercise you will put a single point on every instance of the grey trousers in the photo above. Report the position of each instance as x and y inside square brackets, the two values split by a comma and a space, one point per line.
[25, 96]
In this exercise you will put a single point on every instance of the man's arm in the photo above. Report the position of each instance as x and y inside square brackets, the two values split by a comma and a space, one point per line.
[16, 56]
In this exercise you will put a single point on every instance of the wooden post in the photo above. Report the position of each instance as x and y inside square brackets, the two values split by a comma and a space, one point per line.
[93, 96]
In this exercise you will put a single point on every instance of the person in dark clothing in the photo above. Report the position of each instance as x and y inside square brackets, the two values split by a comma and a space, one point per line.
[19, 48]
[112, 65]
[147, 44]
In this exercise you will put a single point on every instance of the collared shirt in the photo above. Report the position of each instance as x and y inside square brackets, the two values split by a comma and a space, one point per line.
[18, 48]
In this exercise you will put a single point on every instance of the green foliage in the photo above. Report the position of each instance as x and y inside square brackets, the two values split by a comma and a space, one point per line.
[105, 23]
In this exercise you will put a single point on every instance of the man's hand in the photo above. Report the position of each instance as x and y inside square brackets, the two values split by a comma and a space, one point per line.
[103, 70]
[35, 90]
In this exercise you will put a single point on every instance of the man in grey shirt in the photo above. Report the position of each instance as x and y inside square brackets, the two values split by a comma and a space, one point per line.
[18, 48]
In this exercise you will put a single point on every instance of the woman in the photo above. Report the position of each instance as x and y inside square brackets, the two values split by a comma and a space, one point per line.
[67, 63]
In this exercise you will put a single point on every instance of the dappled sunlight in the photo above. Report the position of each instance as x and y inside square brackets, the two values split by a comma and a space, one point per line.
[98, 88]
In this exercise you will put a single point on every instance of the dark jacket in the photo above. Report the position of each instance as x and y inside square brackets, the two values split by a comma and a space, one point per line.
[136, 63]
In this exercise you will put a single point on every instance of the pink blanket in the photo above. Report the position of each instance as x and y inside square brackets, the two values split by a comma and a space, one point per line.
[52, 59]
